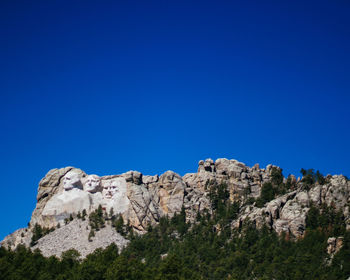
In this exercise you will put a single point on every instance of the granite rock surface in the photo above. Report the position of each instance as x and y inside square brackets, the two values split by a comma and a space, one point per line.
[142, 200]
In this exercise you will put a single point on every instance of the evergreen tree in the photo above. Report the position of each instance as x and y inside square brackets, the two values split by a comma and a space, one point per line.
[119, 225]
[83, 215]
[37, 234]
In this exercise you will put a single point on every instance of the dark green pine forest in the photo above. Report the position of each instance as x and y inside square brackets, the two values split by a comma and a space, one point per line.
[207, 249]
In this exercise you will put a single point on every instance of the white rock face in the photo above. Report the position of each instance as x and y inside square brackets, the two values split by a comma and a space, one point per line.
[72, 180]
[142, 200]
[60, 206]
[114, 195]
[109, 193]
[52, 184]
[92, 183]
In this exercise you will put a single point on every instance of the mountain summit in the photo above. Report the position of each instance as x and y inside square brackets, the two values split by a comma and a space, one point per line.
[85, 212]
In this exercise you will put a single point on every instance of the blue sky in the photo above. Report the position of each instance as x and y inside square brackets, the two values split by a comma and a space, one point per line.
[109, 86]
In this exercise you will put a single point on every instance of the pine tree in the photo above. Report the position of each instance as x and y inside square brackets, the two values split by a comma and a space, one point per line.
[83, 215]
[91, 235]
[37, 234]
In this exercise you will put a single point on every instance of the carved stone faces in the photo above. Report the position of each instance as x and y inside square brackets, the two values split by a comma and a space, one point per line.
[114, 194]
[113, 187]
[110, 188]
[92, 183]
[71, 180]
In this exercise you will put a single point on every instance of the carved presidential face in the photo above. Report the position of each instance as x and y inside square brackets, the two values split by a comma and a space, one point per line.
[113, 188]
[71, 180]
[114, 194]
[110, 188]
[92, 183]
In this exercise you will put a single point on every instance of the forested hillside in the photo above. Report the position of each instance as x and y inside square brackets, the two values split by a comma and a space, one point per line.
[209, 248]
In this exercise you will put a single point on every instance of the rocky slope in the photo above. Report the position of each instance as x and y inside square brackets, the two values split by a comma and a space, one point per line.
[142, 200]
[75, 235]
[288, 212]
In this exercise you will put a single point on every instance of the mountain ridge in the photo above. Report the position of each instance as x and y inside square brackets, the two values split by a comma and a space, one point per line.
[264, 195]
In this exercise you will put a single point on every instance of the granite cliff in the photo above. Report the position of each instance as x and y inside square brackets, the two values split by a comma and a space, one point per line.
[141, 200]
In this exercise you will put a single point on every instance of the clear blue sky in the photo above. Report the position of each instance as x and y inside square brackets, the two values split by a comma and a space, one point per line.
[109, 86]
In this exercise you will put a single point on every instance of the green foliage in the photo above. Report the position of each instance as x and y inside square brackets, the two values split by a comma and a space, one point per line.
[267, 194]
[119, 225]
[39, 232]
[169, 268]
[341, 262]
[125, 268]
[276, 176]
[179, 222]
[326, 219]
[200, 253]
[290, 183]
[206, 249]
[111, 215]
[96, 219]
[310, 177]
[312, 218]
[218, 195]
[71, 255]
[95, 265]
[320, 178]
[83, 215]
[91, 235]
[275, 187]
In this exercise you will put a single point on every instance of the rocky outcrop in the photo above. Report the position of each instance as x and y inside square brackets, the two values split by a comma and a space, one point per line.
[50, 185]
[141, 200]
[288, 212]
[242, 181]
[334, 244]
[20, 236]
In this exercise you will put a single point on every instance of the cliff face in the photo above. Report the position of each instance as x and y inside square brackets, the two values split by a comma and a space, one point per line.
[287, 213]
[142, 200]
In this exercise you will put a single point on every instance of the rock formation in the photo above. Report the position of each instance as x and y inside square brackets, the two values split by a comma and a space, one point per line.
[142, 200]
[288, 212]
